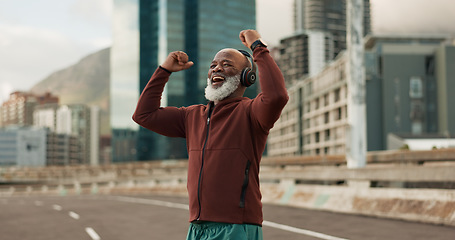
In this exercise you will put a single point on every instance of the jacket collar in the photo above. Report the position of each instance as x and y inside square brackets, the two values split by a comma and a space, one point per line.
[227, 101]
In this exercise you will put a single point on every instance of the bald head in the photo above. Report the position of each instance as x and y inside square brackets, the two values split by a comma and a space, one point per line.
[239, 58]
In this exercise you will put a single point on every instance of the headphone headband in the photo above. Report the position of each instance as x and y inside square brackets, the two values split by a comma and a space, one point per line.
[249, 57]
[248, 75]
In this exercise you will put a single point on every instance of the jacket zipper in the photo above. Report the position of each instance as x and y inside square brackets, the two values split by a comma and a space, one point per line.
[211, 106]
[245, 185]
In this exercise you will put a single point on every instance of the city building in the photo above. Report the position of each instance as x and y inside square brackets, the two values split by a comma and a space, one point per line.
[45, 116]
[315, 118]
[37, 146]
[23, 146]
[408, 79]
[75, 120]
[82, 122]
[304, 54]
[18, 109]
[63, 149]
[144, 33]
[329, 16]
[319, 36]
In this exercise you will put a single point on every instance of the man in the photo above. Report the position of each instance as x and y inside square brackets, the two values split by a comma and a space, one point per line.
[225, 138]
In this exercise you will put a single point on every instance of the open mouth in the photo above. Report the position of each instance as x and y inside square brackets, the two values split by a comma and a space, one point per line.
[217, 80]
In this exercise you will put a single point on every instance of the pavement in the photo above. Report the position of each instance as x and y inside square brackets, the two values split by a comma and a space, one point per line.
[166, 217]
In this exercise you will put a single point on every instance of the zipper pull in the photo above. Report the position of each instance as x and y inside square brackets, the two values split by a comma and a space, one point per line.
[208, 121]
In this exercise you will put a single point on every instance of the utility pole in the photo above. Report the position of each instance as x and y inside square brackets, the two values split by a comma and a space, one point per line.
[356, 131]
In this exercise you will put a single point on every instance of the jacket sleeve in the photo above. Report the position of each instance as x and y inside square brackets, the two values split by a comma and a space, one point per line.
[168, 121]
[267, 106]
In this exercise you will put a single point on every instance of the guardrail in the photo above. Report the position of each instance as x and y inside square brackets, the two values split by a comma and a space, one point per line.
[411, 185]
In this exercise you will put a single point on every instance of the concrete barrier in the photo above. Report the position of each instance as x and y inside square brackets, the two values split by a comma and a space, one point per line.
[316, 182]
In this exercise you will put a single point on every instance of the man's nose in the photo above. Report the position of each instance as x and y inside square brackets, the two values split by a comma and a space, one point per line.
[218, 68]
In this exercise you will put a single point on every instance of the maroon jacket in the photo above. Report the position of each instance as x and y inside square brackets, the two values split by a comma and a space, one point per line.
[225, 143]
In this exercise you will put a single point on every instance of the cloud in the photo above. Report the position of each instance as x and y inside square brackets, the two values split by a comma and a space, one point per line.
[29, 54]
[98, 12]
[413, 16]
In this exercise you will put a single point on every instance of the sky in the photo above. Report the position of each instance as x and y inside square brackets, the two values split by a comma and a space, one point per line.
[39, 37]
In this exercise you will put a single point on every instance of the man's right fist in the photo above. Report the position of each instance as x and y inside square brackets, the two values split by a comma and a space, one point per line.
[177, 61]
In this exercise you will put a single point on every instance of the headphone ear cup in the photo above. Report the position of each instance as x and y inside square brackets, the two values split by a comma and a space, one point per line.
[247, 77]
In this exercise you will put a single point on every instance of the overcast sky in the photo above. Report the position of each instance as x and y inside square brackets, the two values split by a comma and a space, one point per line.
[38, 37]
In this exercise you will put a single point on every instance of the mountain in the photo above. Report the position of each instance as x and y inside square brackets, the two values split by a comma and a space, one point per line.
[86, 82]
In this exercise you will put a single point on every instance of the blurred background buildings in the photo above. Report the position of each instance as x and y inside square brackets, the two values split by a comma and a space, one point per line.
[409, 78]
[144, 34]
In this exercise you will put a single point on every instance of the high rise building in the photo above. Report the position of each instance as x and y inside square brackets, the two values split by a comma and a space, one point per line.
[145, 32]
[305, 53]
[408, 80]
[82, 122]
[329, 16]
[319, 37]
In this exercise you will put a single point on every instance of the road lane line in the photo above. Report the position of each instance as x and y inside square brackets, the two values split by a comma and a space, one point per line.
[57, 207]
[265, 223]
[152, 202]
[92, 233]
[74, 215]
[300, 231]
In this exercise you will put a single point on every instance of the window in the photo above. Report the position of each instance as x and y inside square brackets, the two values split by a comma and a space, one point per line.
[326, 99]
[326, 117]
[327, 135]
[316, 137]
[338, 115]
[337, 95]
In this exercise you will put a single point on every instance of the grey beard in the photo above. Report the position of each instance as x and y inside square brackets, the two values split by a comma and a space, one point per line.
[217, 94]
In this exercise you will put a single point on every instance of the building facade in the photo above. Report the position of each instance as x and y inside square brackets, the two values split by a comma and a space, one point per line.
[37, 146]
[304, 54]
[200, 28]
[23, 146]
[314, 120]
[82, 122]
[329, 16]
[18, 109]
[407, 84]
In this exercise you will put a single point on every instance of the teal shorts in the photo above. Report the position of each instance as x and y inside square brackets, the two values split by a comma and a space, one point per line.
[224, 231]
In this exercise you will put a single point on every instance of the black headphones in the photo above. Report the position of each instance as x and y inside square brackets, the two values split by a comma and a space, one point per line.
[248, 75]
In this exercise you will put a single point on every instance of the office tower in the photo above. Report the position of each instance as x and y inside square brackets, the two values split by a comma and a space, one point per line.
[408, 77]
[329, 16]
[82, 122]
[408, 81]
[303, 54]
[200, 28]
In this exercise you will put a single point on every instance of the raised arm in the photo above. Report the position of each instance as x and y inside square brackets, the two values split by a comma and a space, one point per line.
[168, 121]
[267, 106]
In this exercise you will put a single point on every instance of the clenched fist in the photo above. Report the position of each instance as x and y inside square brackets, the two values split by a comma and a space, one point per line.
[248, 37]
[177, 61]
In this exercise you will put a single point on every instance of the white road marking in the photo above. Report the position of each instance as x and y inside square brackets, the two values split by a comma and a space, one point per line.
[300, 231]
[38, 203]
[92, 233]
[74, 215]
[264, 223]
[152, 202]
[57, 207]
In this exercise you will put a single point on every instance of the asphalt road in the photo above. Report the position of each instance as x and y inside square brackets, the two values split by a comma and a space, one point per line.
[159, 217]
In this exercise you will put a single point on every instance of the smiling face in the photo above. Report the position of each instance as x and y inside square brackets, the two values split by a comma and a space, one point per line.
[224, 75]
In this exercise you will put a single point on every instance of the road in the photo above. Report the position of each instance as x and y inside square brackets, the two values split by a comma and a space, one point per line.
[160, 217]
